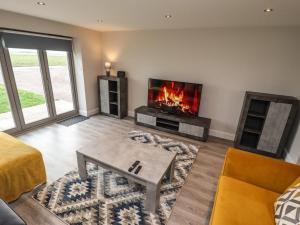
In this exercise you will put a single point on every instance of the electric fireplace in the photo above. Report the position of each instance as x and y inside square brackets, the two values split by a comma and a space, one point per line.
[174, 97]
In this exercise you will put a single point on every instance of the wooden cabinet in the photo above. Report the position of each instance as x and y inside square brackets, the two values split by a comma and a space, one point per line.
[113, 96]
[265, 123]
[192, 127]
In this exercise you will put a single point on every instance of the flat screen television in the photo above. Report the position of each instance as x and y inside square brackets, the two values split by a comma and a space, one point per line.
[174, 97]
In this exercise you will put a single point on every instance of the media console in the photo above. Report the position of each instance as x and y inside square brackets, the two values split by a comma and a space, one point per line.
[192, 127]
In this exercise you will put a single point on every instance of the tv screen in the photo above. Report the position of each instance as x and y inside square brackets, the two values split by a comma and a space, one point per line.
[174, 96]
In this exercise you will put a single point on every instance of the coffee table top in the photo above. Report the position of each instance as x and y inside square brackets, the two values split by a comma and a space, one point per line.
[120, 153]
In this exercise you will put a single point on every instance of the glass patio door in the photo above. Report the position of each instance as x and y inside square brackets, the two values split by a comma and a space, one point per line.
[29, 83]
[7, 121]
[37, 85]
[60, 72]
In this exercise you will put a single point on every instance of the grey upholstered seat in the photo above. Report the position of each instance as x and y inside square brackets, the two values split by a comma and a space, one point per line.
[8, 216]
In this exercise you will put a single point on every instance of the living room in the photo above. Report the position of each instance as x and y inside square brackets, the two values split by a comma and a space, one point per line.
[87, 88]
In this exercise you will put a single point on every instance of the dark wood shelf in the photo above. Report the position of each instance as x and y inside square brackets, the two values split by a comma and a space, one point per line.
[257, 115]
[113, 96]
[265, 123]
[167, 122]
[167, 126]
[113, 85]
[250, 139]
[252, 131]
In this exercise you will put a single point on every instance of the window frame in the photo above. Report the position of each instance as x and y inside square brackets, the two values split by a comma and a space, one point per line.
[12, 91]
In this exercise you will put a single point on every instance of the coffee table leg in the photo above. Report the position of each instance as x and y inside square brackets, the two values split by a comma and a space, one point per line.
[81, 166]
[170, 173]
[152, 197]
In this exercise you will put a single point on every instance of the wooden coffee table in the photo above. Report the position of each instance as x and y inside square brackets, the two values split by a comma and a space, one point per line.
[118, 154]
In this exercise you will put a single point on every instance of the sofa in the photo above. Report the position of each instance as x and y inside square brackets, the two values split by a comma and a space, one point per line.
[248, 187]
[21, 168]
[8, 216]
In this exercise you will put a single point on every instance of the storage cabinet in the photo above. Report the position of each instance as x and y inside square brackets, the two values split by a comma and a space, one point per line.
[265, 123]
[192, 127]
[113, 96]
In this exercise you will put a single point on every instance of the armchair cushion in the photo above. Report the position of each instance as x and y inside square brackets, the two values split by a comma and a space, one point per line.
[297, 181]
[272, 174]
[238, 202]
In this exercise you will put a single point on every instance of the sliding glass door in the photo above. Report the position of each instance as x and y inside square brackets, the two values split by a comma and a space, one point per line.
[6, 117]
[37, 85]
[28, 78]
[59, 65]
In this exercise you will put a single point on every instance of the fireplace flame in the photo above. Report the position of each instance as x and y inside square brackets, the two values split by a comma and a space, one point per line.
[172, 97]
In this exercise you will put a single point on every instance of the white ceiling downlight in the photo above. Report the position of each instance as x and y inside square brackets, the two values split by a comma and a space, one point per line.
[123, 15]
[41, 3]
[268, 10]
[168, 16]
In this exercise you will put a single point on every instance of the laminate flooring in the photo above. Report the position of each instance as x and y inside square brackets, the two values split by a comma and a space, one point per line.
[59, 143]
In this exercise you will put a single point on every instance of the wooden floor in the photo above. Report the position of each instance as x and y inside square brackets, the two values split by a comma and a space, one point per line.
[58, 144]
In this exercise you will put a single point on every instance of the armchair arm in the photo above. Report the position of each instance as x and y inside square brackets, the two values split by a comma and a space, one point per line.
[265, 172]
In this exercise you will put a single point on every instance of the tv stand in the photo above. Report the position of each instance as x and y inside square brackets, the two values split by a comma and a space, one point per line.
[192, 127]
[164, 112]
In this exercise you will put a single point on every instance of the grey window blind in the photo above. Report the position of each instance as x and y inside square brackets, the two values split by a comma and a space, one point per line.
[15, 40]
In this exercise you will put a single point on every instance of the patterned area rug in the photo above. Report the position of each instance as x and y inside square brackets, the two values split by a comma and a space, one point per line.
[110, 199]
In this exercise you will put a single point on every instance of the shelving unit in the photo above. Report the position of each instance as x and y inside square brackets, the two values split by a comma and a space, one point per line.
[192, 127]
[254, 123]
[265, 123]
[168, 124]
[113, 96]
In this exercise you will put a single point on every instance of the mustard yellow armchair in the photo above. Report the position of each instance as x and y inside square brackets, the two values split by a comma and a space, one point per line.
[248, 187]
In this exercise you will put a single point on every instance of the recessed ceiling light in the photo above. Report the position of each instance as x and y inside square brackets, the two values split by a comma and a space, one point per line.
[268, 10]
[168, 16]
[41, 3]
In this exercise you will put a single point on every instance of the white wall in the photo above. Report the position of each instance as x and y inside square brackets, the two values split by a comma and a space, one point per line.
[227, 61]
[87, 52]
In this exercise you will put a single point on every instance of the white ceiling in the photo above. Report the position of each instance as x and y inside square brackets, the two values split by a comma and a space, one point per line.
[150, 14]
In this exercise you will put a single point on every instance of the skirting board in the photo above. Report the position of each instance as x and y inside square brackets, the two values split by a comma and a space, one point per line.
[230, 136]
[131, 113]
[222, 134]
[89, 112]
[212, 132]
[215, 133]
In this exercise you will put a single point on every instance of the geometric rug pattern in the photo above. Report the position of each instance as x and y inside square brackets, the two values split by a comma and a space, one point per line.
[287, 207]
[110, 199]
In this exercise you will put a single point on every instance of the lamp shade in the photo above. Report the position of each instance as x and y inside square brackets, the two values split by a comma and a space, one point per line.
[107, 65]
